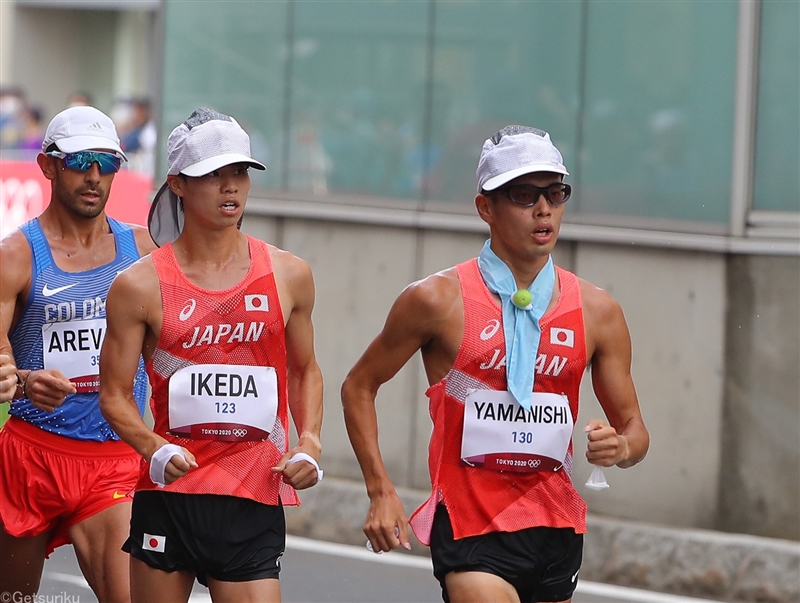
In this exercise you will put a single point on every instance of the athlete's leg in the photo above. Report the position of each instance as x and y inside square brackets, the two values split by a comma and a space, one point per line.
[253, 591]
[21, 562]
[149, 584]
[478, 587]
[98, 545]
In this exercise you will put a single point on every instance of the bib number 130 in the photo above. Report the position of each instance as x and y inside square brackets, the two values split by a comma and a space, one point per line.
[522, 437]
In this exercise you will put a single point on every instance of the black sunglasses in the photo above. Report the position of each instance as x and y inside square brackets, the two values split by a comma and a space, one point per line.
[527, 195]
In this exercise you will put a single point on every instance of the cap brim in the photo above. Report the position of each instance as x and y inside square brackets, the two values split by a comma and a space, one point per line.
[201, 168]
[498, 181]
[74, 144]
[165, 221]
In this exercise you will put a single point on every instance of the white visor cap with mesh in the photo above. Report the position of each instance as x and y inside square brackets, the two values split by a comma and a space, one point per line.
[205, 142]
[199, 149]
[515, 151]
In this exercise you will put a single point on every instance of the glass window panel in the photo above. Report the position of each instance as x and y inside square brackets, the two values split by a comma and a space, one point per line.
[496, 64]
[230, 56]
[777, 175]
[659, 110]
[357, 97]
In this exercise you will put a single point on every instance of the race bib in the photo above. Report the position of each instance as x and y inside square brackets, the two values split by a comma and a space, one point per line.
[500, 434]
[227, 402]
[73, 347]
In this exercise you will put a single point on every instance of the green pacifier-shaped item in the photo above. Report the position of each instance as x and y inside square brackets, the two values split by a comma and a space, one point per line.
[522, 299]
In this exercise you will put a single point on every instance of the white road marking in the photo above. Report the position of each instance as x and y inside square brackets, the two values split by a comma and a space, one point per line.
[298, 543]
[69, 579]
[584, 586]
[356, 552]
[599, 589]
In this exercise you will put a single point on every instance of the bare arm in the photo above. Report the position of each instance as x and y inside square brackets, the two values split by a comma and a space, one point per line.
[132, 306]
[625, 442]
[8, 376]
[296, 285]
[8, 370]
[416, 319]
[46, 389]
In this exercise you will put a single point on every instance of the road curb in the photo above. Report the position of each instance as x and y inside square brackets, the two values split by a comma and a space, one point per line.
[701, 563]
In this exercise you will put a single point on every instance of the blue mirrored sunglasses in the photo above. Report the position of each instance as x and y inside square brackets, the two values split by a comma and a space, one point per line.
[82, 161]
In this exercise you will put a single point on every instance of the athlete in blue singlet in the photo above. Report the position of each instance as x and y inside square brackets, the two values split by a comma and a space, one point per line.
[65, 475]
[62, 327]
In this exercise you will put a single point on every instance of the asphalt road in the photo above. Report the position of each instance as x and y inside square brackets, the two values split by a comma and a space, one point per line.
[321, 572]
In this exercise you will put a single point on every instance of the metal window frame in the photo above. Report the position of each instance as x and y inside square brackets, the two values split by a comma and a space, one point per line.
[744, 116]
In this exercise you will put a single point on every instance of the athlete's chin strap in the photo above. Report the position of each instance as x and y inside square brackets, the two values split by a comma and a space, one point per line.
[159, 461]
[302, 456]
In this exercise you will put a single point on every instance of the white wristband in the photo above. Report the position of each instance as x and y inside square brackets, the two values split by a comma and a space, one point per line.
[302, 456]
[159, 461]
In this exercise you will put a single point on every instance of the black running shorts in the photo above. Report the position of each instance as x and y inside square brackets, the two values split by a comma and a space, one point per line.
[541, 563]
[228, 538]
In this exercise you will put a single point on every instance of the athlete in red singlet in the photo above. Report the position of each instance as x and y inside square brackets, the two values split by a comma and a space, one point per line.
[223, 322]
[503, 521]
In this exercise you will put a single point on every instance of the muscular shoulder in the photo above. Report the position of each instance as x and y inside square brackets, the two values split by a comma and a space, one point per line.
[136, 286]
[294, 281]
[603, 317]
[287, 266]
[431, 307]
[434, 295]
[597, 302]
[144, 243]
[15, 261]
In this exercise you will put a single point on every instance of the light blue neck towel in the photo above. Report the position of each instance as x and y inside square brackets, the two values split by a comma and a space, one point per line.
[520, 326]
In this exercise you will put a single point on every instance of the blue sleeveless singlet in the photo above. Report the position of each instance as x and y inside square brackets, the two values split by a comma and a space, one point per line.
[62, 326]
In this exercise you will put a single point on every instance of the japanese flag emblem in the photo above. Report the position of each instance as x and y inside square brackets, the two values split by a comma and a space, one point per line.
[565, 337]
[256, 303]
[153, 543]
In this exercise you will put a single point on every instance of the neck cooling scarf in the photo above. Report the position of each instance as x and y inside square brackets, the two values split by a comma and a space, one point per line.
[520, 324]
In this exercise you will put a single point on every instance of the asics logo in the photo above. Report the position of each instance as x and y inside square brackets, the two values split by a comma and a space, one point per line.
[188, 309]
[490, 329]
[48, 292]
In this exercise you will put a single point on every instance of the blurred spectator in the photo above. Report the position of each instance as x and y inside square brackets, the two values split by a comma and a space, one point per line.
[12, 103]
[32, 129]
[137, 133]
[79, 99]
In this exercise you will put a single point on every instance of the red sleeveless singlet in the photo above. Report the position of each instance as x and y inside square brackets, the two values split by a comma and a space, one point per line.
[242, 325]
[481, 500]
